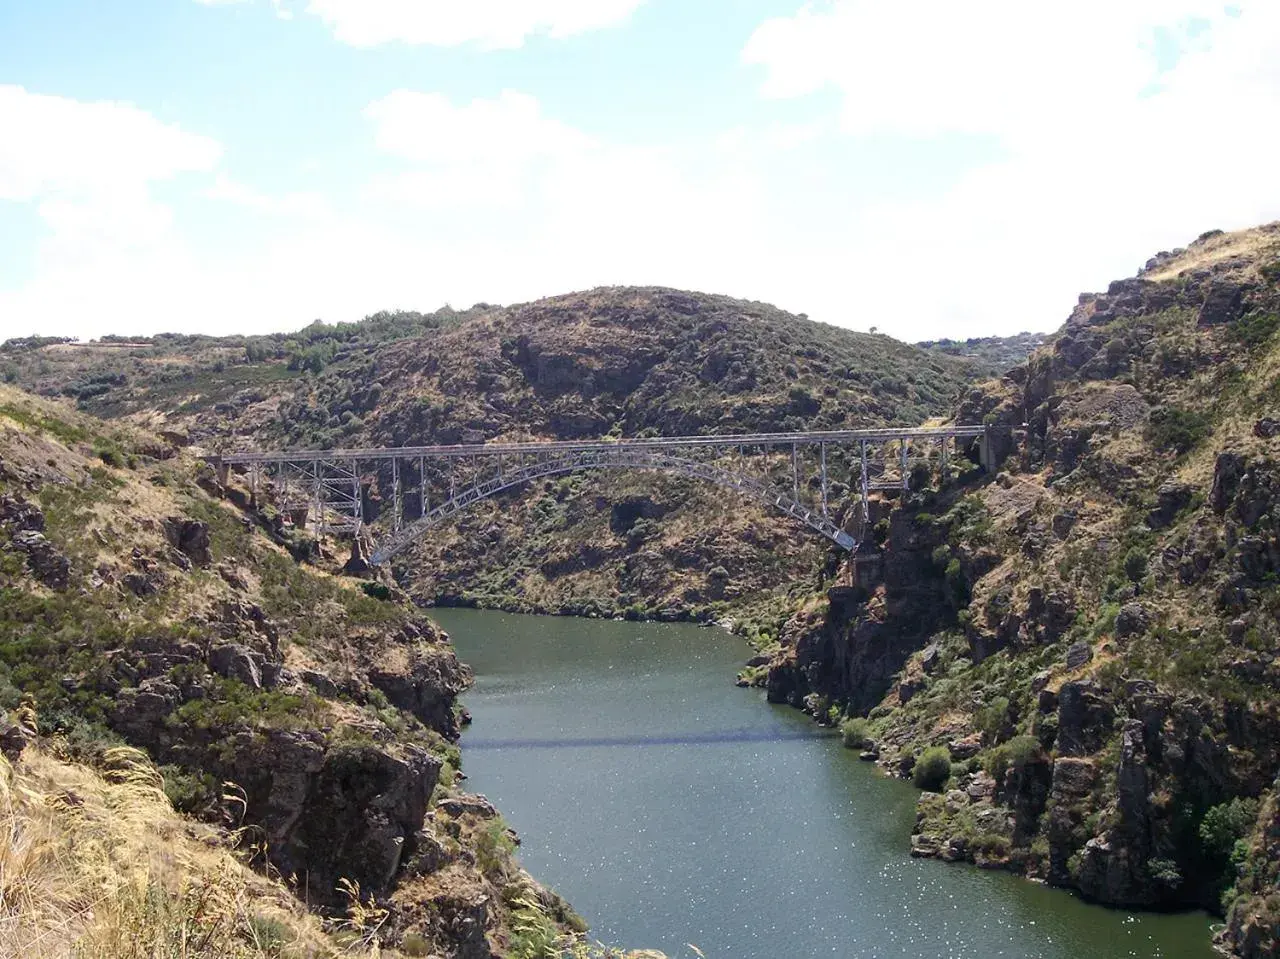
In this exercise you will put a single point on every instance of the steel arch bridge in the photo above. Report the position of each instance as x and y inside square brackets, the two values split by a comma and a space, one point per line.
[787, 472]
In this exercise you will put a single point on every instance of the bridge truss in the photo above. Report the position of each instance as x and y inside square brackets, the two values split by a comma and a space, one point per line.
[423, 487]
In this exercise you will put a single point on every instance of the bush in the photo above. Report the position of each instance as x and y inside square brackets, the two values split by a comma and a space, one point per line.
[932, 769]
[1224, 825]
[376, 590]
[958, 584]
[494, 846]
[1135, 564]
[1256, 329]
[1015, 754]
[1174, 428]
[991, 719]
[853, 732]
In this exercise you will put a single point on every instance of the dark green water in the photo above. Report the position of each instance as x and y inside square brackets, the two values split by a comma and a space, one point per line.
[671, 807]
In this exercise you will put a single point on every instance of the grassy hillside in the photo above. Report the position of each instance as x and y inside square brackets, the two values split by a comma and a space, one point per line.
[612, 362]
[1077, 656]
[308, 721]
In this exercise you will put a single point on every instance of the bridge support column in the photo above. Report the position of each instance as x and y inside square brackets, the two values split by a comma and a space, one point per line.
[396, 510]
[822, 451]
[423, 501]
[986, 455]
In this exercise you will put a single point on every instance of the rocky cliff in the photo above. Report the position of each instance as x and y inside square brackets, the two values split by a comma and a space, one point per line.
[1084, 644]
[310, 719]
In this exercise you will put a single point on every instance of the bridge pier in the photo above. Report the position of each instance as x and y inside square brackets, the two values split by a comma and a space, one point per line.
[986, 457]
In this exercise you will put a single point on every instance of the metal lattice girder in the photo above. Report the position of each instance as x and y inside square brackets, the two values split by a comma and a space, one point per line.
[757, 441]
[617, 458]
[329, 481]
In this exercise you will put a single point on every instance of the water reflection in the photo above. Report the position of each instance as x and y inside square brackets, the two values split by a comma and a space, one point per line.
[671, 807]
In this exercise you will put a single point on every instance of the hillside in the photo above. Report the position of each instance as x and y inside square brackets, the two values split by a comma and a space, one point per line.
[612, 362]
[990, 355]
[1077, 657]
[308, 721]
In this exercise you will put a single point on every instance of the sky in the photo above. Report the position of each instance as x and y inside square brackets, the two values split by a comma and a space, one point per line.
[927, 167]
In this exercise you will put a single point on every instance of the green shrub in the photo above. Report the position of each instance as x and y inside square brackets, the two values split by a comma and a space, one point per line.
[958, 584]
[991, 718]
[853, 732]
[932, 769]
[376, 590]
[1015, 754]
[1135, 564]
[494, 846]
[1165, 872]
[1177, 429]
[1256, 329]
[1224, 825]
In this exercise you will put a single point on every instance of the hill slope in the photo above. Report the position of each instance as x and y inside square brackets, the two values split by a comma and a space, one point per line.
[622, 362]
[1080, 656]
[311, 720]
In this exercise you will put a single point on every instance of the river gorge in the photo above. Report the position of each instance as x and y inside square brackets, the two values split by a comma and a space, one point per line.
[671, 807]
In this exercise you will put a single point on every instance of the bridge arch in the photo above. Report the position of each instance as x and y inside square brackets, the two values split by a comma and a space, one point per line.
[620, 458]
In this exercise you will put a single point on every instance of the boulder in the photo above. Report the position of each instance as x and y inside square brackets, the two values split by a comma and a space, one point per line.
[1224, 301]
[1132, 620]
[320, 682]
[233, 661]
[348, 813]
[467, 805]
[45, 562]
[190, 537]
[1228, 469]
[140, 710]
[423, 680]
[18, 514]
[1078, 655]
[1171, 499]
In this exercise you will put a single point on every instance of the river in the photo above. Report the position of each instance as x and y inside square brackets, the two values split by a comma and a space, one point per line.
[671, 807]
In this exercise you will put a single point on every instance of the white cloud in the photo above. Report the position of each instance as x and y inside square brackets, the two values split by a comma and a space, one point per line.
[89, 169]
[492, 24]
[54, 146]
[298, 204]
[1122, 128]
[1101, 148]
[484, 153]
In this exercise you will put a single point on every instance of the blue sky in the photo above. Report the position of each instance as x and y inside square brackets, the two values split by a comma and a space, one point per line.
[932, 169]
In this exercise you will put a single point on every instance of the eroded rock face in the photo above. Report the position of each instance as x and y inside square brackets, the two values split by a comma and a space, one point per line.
[1084, 718]
[190, 537]
[18, 514]
[43, 559]
[424, 681]
[1116, 867]
[851, 652]
[348, 812]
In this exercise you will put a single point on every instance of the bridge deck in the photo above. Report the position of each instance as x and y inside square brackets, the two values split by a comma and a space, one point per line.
[722, 441]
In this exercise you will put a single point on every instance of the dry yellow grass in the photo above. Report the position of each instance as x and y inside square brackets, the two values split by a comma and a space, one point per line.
[1246, 243]
[99, 866]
